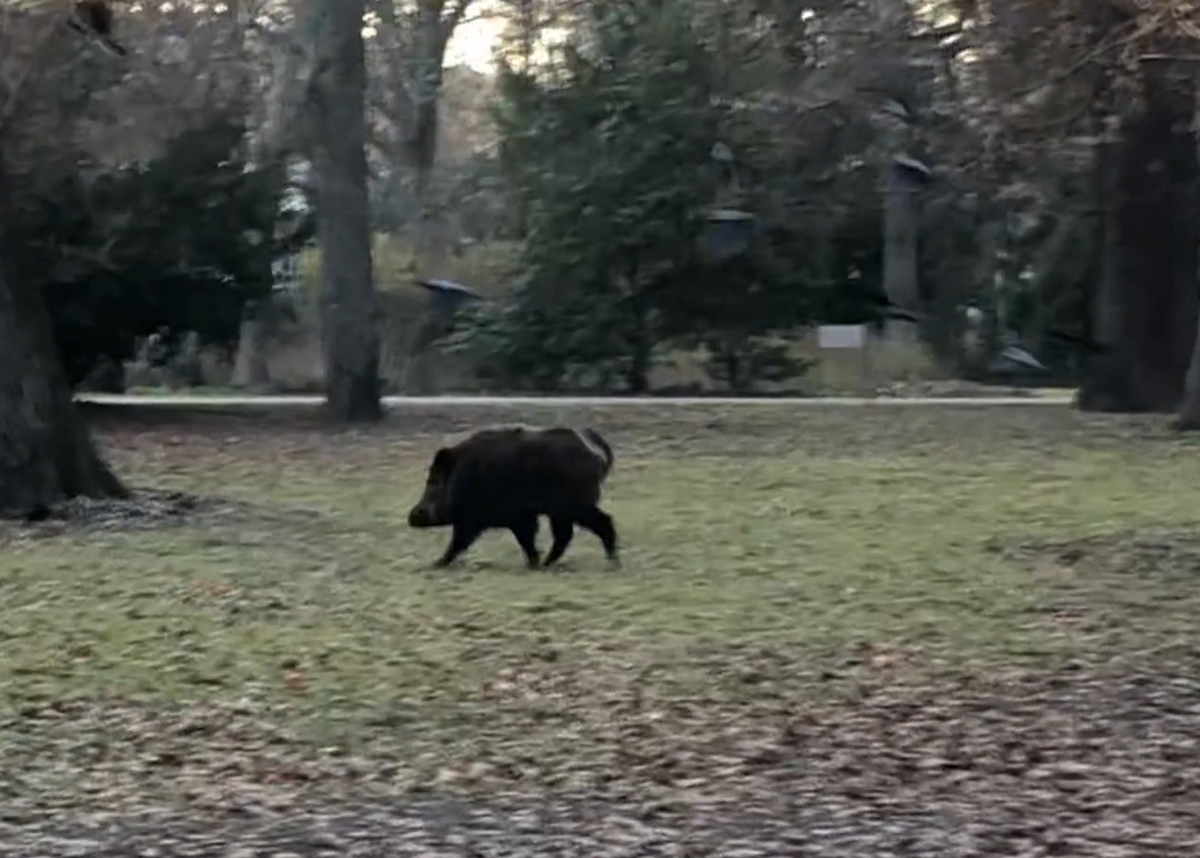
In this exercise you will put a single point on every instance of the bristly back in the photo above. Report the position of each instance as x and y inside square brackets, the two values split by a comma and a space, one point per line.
[509, 434]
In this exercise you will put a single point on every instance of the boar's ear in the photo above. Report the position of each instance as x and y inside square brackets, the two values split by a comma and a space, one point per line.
[443, 463]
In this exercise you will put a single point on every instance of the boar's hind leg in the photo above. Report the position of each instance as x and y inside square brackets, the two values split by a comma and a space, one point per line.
[460, 541]
[600, 523]
[563, 529]
[525, 531]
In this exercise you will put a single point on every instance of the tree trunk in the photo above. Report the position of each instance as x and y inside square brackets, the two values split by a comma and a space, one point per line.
[423, 132]
[250, 364]
[641, 349]
[46, 454]
[901, 217]
[349, 305]
[1189, 409]
[638, 376]
[640, 342]
[1107, 384]
[415, 59]
[1146, 314]
[733, 368]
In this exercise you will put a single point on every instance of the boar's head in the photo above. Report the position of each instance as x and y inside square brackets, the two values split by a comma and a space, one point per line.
[433, 509]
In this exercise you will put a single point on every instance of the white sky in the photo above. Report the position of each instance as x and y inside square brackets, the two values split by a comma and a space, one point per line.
[472, 43]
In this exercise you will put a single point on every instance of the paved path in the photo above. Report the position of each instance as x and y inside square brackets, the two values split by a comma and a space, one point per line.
[396, 402]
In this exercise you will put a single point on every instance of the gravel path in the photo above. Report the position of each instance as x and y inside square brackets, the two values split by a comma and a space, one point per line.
[398, 402]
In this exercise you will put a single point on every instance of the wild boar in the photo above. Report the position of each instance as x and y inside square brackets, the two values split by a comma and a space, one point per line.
[506, 477]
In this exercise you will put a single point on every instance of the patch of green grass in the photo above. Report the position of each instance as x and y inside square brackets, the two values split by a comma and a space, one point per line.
[763, 547]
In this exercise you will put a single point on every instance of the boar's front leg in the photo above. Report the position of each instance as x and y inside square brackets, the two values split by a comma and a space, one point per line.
[525, 530]
[460, 540]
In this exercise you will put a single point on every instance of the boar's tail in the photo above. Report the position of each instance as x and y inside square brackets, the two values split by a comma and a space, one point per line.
[596, 442]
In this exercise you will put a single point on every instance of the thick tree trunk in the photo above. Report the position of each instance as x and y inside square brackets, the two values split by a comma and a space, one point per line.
[350, 307]
[1146, 311]
[46, 454]
[901, 217]
[1107, 385]
[1189, 409]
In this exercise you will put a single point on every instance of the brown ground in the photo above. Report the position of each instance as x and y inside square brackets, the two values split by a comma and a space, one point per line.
[1072, 729]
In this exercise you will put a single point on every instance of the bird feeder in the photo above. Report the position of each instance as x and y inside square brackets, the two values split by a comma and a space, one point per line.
[1017, 360]
[446, 297]
[727, 233]
[905, 173]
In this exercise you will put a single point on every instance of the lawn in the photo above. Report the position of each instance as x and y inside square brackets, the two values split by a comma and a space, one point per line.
[793, 577]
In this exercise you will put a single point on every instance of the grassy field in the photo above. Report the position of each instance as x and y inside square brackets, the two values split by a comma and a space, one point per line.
[779, 565]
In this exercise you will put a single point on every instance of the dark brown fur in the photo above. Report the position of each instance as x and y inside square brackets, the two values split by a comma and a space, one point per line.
[507, 477]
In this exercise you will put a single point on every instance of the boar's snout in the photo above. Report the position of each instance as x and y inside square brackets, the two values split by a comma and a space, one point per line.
[430, 511]
[433, 509]
[419, 516]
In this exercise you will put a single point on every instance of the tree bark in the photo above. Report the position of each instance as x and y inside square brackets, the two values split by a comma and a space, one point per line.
[901, 218]
[1188, 419]
[350, 307]
[415, 59]
[250, 364]
[1107, 384]
[423, 135]
[1189, 410]
[46, 454]
[1147, 313]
